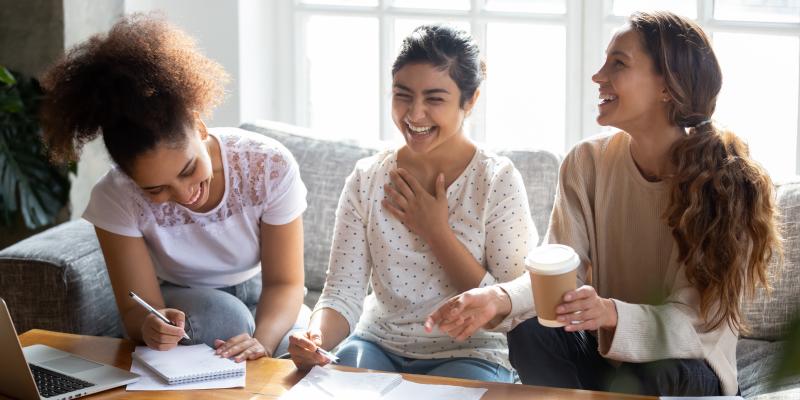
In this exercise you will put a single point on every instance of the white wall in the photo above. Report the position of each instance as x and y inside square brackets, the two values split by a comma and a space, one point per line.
[239, 34]
[82, 19]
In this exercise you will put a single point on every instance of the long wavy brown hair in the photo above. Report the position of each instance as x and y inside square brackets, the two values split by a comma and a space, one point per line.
[139, 85]
[722, 209]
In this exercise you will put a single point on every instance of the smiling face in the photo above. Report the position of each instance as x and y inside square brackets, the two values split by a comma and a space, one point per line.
[425, 106]
[633, 95]
[181, 173]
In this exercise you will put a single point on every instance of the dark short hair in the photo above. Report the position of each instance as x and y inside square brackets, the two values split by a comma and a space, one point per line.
[447, 48]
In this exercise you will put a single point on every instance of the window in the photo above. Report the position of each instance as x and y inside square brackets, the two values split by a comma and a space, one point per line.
[540, 56]
[757, 43]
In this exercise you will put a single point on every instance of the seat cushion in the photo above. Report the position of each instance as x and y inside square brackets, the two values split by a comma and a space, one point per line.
[769, 316]
[756, 361]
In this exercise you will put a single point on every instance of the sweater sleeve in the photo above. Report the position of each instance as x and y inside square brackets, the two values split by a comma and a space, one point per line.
[570, 224]
[673, 329]
[350, 263]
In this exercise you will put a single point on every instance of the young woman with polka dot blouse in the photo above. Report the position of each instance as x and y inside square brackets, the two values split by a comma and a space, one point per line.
[422, 223]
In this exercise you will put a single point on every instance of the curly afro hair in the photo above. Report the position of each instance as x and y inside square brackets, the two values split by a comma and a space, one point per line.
[140, 85]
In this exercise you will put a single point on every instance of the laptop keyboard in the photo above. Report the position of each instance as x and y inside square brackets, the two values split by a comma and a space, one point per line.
[51, 383]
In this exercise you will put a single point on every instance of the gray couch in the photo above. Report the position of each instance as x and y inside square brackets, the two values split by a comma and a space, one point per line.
[57, 280]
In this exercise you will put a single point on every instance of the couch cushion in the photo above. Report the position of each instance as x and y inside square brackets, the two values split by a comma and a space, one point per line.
[756, 361]
[325, 164]
[769, 316]
[539, 170]
[57, 280]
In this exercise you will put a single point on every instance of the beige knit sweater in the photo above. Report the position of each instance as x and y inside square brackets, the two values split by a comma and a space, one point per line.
[612, 217]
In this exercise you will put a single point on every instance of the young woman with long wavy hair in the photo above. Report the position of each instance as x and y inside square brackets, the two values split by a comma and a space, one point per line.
[673, 221]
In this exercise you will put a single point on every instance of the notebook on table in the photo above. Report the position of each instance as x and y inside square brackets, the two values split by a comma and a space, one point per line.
[185, 364]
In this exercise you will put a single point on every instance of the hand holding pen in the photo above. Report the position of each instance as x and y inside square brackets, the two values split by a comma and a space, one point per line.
[306, 351]
[161, 331]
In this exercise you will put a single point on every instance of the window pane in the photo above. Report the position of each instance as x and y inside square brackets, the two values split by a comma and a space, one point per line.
[404, 26]
[525, 86]
[528, 6]
[342, 55]
[434, 4]
[368, 3]
[758, 10]
[687, 8]
[759, 97]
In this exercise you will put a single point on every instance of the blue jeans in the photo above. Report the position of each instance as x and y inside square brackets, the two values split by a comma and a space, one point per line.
[554, 357]
[223, 313]
[360, 353]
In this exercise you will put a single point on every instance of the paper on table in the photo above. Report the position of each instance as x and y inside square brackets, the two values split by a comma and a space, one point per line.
[700, 398]
[150, 381]
[325, 383]
[412, 390]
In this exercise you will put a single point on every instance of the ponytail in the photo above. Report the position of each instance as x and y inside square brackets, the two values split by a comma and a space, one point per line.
[723, 217]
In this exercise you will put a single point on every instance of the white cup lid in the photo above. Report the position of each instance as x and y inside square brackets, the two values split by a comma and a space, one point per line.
[552, 259]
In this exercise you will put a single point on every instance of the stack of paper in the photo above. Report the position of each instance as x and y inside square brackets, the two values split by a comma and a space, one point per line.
[325, 383]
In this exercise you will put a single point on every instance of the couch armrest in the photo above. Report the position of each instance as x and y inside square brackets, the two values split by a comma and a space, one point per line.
[57, 280]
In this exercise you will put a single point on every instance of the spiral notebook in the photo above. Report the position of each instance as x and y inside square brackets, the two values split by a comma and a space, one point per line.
[185, 364]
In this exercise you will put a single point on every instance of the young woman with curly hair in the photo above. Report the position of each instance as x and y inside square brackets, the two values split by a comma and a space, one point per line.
[204, 224]
[673, 221]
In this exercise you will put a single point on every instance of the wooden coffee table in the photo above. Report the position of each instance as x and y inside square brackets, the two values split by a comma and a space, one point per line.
[270, 378]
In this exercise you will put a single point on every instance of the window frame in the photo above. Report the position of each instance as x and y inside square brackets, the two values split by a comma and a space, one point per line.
[585, 22]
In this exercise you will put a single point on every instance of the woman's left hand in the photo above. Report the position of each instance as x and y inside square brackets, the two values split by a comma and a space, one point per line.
[583, 309]
[240, 348]
[422, 213]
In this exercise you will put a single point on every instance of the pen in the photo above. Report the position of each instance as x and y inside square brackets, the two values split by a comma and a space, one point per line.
[155, 312]
[328, 355]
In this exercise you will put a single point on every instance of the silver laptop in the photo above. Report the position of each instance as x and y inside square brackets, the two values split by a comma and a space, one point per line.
[42, 372]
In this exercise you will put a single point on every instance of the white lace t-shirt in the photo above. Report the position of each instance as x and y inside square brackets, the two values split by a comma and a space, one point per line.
[221, 247]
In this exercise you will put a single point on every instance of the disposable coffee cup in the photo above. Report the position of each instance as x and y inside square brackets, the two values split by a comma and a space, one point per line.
[553, 269]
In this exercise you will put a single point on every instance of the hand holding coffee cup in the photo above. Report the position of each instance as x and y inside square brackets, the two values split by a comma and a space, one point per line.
[553, 271]
[584, 310]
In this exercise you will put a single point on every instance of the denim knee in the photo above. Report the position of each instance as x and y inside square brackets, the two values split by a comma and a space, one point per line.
[473, 368]
[360, 353]
[210, 314]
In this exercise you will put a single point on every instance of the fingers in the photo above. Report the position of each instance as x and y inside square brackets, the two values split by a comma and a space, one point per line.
[471, 325]
[395, 197]
[159, 335]
[402, 184]
[582, 310]
[176, 316]
[416, 187]
[228, 345]
[302, 349]
[240, 347]
[440, 193]
[392, 209]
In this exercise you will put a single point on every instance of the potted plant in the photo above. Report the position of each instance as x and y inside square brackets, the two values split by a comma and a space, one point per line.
[32, 190]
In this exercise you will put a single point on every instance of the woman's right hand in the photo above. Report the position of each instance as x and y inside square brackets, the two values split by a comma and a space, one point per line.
[463, 315]
[159, 335]
[303, 349]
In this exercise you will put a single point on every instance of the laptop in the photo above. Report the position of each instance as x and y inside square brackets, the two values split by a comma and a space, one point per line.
[42, 372]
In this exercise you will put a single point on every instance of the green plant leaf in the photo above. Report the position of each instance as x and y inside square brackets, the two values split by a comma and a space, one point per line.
[789, 365]
[6, 76]
[29, 184]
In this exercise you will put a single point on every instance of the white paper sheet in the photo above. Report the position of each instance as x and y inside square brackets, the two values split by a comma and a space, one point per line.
[326, 383]
[150, 381]
[700, 398]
